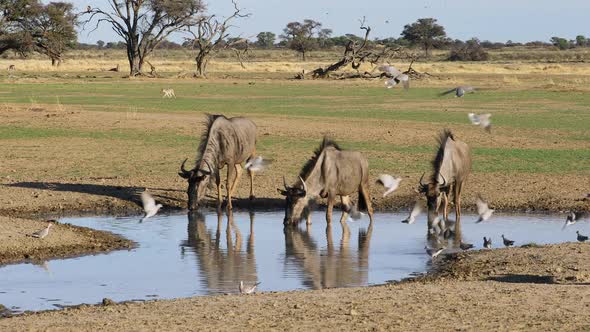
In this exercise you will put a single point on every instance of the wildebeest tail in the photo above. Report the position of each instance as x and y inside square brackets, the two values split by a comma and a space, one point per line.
[362, 205]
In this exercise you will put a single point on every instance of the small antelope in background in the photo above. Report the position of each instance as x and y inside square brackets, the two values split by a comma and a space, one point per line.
[11, 68]
[168, 93]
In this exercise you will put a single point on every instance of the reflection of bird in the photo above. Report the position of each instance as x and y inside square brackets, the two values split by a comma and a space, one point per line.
[434, 252]
[482, 120]
[389, 182]
[483, 210]
[465, 246]
[257, 164]
[247, 289]
[41, 234]
[396, 77]
[459, 91]
[414, 213]
[581, 238]
[507, 242]
[487, 243]
[149, 205]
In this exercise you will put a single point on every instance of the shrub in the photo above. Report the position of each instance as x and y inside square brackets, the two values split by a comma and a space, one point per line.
[470, 51]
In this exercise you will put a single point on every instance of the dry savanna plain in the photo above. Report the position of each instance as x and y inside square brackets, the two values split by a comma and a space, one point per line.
[82, 140]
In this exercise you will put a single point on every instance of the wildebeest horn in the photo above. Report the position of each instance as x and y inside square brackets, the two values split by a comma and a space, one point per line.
[183, 170]
[285, 183]
[304, 185]
[444, 184]
[210, 168]
[422, 177]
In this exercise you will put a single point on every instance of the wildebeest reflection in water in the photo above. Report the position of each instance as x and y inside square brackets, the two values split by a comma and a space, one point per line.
[328, 267]
[221, 268]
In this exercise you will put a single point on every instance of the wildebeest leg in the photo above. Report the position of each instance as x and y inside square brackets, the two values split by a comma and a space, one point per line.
[330, 208]
[457, 194]
[230, 174]
[346, 204]
[218, 183]
[251, 174]
[367, 198]
[238, 168]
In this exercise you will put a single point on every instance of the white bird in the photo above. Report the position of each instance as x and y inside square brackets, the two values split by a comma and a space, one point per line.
[41, 234]
[573, 217]
[483, 210]
[433, 252]
[414, 213]
[389, 182]
[257, 164]
[149, 205]
[247, 289]
[482, 120]
[396, 77]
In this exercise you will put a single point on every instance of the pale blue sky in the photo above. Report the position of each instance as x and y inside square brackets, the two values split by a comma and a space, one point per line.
[496, 20]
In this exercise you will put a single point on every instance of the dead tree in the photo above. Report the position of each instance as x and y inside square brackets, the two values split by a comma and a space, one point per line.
[210, 36]
[357, 53]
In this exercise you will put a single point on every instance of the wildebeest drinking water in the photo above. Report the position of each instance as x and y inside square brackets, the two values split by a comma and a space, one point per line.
[330, 172]
[451, 166]
[225, 142]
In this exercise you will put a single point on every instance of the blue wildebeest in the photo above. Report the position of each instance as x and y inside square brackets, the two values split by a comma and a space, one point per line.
[450, 168]
[330, 172]
[225, 142]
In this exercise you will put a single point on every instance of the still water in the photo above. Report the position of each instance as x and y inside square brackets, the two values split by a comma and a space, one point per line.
[209, 253]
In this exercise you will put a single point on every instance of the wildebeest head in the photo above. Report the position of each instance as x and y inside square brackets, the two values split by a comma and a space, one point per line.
[433, 192]
[296, 199]
[198, 180]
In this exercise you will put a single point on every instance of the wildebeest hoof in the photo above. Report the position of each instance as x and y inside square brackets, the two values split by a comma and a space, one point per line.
[252, 197]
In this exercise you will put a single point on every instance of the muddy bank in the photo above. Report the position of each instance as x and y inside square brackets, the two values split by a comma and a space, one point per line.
[540, 288]
[63, 241]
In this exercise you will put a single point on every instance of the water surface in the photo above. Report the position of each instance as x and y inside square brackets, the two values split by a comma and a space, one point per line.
[180, 256]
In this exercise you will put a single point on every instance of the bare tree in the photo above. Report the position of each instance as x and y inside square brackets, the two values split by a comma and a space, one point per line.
[210, 35]
[144, 24]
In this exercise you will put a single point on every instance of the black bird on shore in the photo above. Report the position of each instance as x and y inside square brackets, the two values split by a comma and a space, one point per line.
[581, 238]
[465, 246]
[507, 242]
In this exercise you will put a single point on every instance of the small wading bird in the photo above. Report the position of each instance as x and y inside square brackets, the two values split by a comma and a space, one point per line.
[396, 77]
[168, 93]
[483, 210]
[414, 213]
[507, 242]
[433, 252]
[389, 182]
[460, 91]
[149, 205]
[581, 238]
[465, 246]
[487, 243]
[482, 120]
[41, 234]
[247, 289]
[257, 164]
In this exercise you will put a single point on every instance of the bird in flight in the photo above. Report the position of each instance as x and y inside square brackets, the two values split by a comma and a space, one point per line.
[149, 205]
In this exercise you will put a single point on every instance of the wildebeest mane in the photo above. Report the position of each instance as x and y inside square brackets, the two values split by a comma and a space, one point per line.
[205, 135]
[440, 153]
[310, 164]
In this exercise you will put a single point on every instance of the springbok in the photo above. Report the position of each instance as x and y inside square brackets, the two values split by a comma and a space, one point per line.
[168, 93]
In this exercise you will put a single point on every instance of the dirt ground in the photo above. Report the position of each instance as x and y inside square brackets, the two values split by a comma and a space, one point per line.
[63, 240]
[515, 289]
[505, 289]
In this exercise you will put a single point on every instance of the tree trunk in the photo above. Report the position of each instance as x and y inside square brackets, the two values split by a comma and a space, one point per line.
[133, 55]
[202, 59]
[303, 53]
